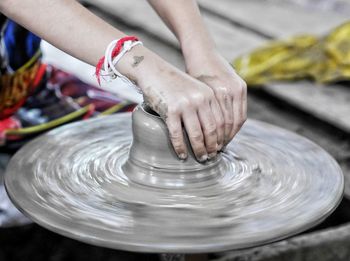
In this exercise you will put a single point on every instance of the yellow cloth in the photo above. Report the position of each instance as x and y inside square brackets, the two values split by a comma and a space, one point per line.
[323, 59]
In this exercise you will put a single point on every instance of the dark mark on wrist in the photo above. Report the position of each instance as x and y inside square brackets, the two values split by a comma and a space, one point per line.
[137, 60]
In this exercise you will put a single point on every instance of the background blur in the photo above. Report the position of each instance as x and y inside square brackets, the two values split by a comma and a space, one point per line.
[320, 112]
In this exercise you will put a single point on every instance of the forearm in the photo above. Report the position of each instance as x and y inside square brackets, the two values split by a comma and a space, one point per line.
[74, 29]
[184, 19]
[65, 24]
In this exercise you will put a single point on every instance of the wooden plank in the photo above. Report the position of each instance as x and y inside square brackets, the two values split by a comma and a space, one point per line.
[276, 18]
[281, 19]
[139, 14]
[136, 13]
[329, 103]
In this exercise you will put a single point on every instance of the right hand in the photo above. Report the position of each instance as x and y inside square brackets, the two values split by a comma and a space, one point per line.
[180, 99]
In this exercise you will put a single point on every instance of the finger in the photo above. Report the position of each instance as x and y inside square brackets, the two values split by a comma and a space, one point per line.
[195, 135]
[244, 102]
[176, 135]
[243, 106]
[237, 116]
[225, 102]
[220, 123]
[208, 124]
[239, 111]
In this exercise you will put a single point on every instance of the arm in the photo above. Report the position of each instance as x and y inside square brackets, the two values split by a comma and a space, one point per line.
[204, 62]
[65, 24]
[177, 97]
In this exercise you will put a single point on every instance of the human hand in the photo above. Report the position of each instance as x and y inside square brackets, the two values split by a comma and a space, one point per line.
[180, 99]
[229, 89]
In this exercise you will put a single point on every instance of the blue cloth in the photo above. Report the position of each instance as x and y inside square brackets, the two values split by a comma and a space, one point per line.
[20, 44]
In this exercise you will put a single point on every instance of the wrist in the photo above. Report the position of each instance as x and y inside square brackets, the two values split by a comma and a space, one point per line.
[132, 64]
[202, 61]
[141, 66]
[196, 49]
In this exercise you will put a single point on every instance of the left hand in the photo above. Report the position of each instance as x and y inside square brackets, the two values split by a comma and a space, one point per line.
[229, 89]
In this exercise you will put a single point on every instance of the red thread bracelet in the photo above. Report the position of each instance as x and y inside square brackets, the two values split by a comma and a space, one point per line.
[116, 50]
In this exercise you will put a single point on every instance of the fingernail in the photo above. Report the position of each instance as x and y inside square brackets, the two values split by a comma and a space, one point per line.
[203, 158]
[212, 155]
[219, 147]
[182, 156]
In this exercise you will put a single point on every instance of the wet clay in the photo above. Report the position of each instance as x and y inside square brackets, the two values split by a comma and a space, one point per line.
[94, 182]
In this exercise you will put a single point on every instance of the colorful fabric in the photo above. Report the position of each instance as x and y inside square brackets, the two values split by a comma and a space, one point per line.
[35, 97]
[323, 59]
[20, 66]
[58, 99]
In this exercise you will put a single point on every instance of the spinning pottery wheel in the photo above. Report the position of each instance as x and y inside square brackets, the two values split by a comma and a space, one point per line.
[97, 182]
